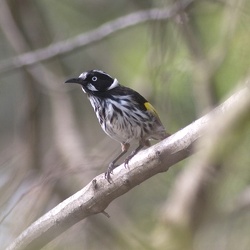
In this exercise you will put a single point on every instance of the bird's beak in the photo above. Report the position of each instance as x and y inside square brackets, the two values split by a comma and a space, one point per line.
[75, 80]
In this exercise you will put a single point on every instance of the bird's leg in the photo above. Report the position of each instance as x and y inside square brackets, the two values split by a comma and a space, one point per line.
[112, 166]
[134, 152]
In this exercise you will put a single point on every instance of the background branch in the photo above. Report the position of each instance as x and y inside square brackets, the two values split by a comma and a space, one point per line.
[90, 37]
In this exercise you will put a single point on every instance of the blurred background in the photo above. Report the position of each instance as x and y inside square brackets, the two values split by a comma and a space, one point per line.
[52, 145]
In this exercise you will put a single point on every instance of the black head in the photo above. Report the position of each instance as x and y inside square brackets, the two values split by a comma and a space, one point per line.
[95, 81]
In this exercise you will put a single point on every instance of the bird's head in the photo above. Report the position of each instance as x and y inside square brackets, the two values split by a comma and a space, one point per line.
[95, 81]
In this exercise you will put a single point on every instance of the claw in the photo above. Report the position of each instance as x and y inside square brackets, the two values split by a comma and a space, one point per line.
[127, 161]
[109, 171]
[141, 145]
[107, 176]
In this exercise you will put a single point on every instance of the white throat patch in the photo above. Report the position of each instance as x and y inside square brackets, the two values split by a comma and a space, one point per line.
[83, 90]
[114, 84]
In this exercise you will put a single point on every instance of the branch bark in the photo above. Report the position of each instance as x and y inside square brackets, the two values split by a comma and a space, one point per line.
[98, 194]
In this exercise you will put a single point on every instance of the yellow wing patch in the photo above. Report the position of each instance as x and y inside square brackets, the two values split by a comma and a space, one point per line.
[151, 109]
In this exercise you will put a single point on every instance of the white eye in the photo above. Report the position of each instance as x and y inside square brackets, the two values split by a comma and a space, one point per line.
[94, 78]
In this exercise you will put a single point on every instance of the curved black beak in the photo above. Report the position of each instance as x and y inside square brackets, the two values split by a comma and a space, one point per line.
[74, 80]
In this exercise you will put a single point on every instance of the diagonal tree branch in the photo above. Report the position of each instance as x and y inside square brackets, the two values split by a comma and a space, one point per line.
[90, 37]
[98, 194]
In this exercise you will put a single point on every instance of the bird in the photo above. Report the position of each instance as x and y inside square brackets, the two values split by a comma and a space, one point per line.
[123, 113]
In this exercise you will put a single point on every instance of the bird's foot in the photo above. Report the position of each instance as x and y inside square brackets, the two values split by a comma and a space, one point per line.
[127, 161]
[109, 171]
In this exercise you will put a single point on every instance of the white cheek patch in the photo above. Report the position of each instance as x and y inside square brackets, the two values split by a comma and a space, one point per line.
[91, 87]
[114, 84]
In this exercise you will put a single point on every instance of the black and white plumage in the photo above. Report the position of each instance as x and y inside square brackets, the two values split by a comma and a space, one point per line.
[123, 113]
